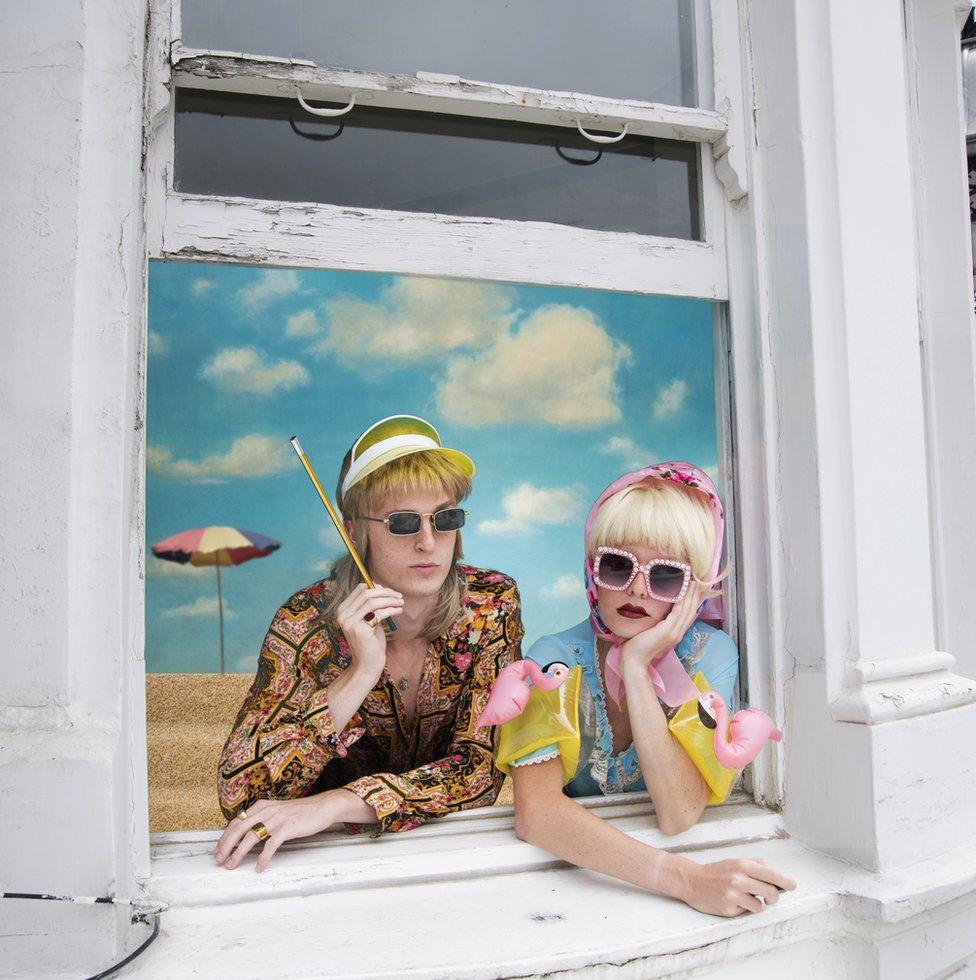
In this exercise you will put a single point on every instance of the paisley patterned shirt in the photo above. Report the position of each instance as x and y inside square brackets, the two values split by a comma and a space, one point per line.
[283, 744]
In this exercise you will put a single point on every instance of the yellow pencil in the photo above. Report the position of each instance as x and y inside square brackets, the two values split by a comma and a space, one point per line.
[336, 520]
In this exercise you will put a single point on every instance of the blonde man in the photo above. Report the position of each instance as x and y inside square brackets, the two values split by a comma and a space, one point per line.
[347, 721]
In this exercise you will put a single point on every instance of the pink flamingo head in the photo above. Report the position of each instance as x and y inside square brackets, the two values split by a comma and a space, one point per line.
[737, 741]
[510, 693]
[711, 710]
[551, 676]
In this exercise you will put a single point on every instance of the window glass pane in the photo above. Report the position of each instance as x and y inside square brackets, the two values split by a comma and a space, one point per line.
[414, 161]
[633, 49]
[241, 358]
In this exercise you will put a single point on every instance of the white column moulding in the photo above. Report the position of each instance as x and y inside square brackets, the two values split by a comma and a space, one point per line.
[946, 320]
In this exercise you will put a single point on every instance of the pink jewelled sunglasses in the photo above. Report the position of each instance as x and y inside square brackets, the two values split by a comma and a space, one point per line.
[667, 579]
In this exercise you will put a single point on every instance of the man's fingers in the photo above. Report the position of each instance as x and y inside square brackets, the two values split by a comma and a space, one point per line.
[243, 848]
[369, 601]
[383, 613]
[238, 831]
[270, 846]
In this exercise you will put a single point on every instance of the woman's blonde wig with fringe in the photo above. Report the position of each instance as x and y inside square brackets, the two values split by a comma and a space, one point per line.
[421, 471]
[671, 519]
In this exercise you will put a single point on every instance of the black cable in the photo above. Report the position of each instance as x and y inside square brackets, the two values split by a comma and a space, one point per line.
[118, 966]
[99, 900]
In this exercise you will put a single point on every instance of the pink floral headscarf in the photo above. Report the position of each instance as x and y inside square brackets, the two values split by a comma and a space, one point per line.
[671, 681]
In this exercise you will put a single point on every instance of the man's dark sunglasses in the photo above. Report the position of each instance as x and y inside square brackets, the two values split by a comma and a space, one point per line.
[402, 522]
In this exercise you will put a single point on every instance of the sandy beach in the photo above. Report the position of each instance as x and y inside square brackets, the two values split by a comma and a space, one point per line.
[188, 717]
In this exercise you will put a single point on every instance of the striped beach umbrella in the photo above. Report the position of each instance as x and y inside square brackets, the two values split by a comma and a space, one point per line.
[215, 546]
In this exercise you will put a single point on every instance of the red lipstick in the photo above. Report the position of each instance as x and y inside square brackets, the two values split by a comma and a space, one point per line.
[632, 612]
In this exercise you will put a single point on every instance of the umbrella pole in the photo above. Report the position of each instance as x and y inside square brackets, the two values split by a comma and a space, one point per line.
[220, 611]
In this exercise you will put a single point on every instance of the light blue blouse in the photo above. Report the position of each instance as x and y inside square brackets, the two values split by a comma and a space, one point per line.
[703, 648]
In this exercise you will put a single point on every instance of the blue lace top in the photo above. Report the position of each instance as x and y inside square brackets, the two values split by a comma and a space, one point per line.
[703, 648]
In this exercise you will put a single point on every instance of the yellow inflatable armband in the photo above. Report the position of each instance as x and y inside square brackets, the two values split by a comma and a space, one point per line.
[549, 718]
[697, 741]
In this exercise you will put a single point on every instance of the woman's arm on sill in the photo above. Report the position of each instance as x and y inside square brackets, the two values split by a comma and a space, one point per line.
[547, 818]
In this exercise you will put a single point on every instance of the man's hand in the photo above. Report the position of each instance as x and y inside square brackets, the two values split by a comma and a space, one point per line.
[366, 637]
[645, 647]
[283, 819]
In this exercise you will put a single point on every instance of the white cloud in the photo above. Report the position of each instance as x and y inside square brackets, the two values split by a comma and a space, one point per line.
[204, 607]
[158, 344]
[527, 506]
[253, 455]
[302, 324]
[203, 286]
[558, 367]
[670, 400]
[244, 369]
[565, 587]
[325, 565]
[631, 455]
[415, 319]
[272, 284]
[161, 568]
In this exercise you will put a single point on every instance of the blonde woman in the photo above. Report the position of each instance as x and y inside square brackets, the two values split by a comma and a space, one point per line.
[346, 721]
[653, 549]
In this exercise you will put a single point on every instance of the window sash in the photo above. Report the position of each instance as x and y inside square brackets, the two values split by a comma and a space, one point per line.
[223, 229]
[225, 71]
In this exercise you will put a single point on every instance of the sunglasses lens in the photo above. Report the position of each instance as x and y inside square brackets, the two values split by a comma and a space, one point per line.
[451, 519]
[614, 571]
[667, 581]
[404, 522]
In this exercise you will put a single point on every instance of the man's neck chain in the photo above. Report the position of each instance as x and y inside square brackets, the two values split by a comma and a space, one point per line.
[403, 684]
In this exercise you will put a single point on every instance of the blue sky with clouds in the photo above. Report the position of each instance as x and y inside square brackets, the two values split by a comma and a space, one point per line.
[553, 391]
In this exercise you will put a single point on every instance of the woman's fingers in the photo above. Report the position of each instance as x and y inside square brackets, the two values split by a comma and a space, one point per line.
[761, 871]
[762, 889]
[748, 902]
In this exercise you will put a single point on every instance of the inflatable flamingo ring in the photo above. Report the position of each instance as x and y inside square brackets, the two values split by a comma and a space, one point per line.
[737, 741]
[510, 692]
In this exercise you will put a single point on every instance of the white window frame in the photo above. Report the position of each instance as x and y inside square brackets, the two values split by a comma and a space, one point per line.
[211, 228]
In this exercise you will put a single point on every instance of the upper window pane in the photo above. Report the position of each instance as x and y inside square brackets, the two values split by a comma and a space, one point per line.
[234, 145]
[629, 49]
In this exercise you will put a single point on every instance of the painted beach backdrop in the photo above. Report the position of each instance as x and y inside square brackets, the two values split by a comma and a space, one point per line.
[553, 391]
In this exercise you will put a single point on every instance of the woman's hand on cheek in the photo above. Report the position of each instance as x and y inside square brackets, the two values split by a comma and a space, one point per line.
[647, 646]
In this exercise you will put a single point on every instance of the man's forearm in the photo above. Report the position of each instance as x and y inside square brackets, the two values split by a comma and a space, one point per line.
[348, 691]
[676, 787]
[351, 809]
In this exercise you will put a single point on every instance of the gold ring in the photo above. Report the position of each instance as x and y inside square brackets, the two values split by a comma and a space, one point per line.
[260, 831]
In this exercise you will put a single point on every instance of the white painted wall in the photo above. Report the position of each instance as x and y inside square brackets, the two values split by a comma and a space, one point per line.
[855, 449]
[71, 254]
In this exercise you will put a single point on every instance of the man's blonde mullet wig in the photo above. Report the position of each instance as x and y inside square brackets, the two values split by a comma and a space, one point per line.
[422, 471]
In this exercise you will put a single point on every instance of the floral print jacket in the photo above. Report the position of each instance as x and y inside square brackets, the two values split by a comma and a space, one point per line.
[283, 744]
